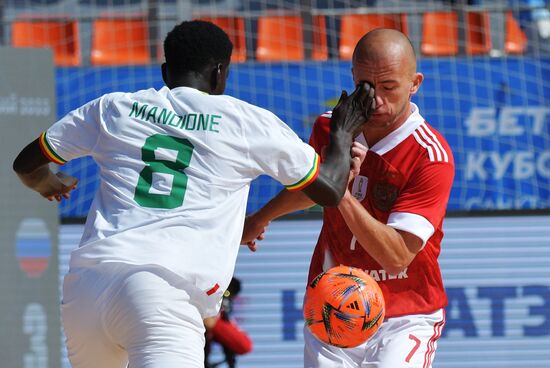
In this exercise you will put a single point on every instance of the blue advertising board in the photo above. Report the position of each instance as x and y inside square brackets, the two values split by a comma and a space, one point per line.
[495, 271]
[494, 112]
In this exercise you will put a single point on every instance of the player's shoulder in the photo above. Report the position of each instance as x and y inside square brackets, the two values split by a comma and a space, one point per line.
[427, 141]
[144, 94]
[149, 93]
[247, 109]
[236, 102]
[432, 144]
[323, 119]
[326, 115]
[321, 126]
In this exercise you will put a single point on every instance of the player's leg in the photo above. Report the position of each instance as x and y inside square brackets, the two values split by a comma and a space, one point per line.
[156, 323]
[318, 354]
[87, 344]
[408, 342]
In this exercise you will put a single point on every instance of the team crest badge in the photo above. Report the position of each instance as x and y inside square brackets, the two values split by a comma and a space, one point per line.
[384, 195]
[359, 188]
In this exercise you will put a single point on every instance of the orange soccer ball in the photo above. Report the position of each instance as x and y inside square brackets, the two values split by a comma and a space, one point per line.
[343, 307]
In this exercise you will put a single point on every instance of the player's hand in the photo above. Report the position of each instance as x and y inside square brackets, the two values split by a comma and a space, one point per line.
[253, 231]
[351, 112]
[369, 103]
[61, 188]
[358, 155]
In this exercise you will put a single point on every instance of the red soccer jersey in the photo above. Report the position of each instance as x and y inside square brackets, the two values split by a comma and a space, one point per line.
[404, 182]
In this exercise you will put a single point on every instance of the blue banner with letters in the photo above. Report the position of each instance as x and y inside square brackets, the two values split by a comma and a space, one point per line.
[498, 314]
[494, 112]
[495, 271]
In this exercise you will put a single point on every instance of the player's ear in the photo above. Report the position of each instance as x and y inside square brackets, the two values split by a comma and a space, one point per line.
[215, 78]
[417, 81]
[218, 78]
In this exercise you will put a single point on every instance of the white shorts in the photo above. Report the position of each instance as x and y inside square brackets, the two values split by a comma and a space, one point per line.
[115, 314]
[401, 342]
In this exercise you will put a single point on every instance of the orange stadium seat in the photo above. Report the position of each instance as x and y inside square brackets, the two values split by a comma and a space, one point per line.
[120, 41]
[281, 38]
[354, 26]
[515, 41]
[320, 47]
[478, 33]
[60, 35]
[234, 27]
[439, 34]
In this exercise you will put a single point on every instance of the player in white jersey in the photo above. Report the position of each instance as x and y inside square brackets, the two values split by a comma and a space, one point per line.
[162, 235]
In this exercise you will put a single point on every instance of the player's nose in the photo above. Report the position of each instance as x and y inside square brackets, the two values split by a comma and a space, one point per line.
[379, 100]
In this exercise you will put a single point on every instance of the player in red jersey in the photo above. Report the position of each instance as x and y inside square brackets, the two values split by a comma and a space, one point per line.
[389, 222]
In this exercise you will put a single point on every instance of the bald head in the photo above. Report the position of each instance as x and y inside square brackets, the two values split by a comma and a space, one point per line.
[385, 59]
[385, 44]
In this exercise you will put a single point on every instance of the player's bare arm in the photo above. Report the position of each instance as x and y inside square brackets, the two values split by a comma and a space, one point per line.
[348, 118]
[393, 249]
[282, 204]
[33, 170]
[347, 121]
[287, 202]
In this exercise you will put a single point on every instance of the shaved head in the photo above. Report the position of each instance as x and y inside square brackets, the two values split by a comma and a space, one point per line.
[385, 59]
[384, 44]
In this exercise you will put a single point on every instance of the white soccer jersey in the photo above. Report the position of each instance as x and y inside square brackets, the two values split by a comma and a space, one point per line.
[175, 168]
